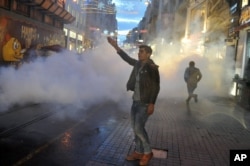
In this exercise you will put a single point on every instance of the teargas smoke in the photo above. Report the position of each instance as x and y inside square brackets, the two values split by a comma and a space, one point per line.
[83, 80]
[217, 73]
[176, 42]
[66, 79]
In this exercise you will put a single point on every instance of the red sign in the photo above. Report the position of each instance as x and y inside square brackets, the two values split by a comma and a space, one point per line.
[143, 31]
[93, 28]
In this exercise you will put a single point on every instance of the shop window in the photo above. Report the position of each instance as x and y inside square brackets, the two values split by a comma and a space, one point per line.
[197, 20]
[5, 4]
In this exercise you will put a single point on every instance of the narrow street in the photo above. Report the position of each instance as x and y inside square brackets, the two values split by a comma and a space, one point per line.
[37, 135]
[201, 134]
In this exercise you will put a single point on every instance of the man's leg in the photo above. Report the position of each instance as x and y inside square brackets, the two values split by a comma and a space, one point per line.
[195, 95]
[140, 121]
[138, 153]
[188, 99]
[195, 98]
[191, 88]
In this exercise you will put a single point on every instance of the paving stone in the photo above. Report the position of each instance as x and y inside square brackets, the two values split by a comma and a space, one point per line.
[202, 135]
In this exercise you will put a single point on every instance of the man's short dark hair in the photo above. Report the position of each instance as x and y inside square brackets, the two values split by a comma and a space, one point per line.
[191, 63]
[147, 48]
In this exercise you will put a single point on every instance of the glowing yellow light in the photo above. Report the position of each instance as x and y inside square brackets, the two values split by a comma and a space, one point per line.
[185, 40]
[233, 90]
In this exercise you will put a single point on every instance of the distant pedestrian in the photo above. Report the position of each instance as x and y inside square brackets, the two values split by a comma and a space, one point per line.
[144, 81]
[192, 76]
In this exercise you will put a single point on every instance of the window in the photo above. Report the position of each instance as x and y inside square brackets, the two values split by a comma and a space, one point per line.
[48, 20]
[5, 4]
[35, 14]
[21, 8]
[244, 3]
[58, 24]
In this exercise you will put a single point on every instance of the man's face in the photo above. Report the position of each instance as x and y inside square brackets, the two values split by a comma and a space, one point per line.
[143, 55]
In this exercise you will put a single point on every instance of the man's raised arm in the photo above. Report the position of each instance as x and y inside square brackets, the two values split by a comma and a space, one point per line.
[113, 43]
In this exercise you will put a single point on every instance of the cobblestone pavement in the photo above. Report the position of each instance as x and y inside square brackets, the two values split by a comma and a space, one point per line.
[201, 134]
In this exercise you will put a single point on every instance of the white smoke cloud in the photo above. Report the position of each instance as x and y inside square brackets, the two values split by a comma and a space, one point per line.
[66, 79]
[217, 73]
[80, 81]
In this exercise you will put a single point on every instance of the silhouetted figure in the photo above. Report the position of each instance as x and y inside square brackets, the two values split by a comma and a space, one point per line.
[192, 76]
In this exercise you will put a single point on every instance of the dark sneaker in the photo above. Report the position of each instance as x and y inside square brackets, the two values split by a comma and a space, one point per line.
[146, 158]
[134, 156]
[196, 98]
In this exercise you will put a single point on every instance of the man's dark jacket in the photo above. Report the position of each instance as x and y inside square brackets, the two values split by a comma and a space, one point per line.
[149, 81]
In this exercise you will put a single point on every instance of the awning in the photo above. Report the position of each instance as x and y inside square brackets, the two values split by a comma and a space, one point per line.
[55, 9]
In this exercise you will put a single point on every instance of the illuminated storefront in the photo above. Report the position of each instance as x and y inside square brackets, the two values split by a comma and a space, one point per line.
[207, 23]
[195, 27]
[30, 25]
[74, 40]
[240, 34]
[243, 55]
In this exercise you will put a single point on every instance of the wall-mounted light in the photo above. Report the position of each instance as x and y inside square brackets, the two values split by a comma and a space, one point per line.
[147, 2]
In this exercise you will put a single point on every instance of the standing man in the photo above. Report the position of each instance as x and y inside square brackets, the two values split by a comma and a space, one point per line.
[192, 76]
[144, 81]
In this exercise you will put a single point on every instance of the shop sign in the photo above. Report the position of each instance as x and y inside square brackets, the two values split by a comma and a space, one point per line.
[72, 34]
[94, 28]
[79, 37]
[16, 36]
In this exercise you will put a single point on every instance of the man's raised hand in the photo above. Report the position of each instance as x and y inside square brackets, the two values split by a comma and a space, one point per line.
[113, 43]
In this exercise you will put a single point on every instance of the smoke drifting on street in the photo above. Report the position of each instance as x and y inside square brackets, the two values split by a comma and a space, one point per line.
[66, 79]
[80, 81]
[216, 80]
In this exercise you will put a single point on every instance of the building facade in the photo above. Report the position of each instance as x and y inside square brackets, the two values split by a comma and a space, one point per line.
[157, 27]
[26, 24]
[93, 18]
[239, 47]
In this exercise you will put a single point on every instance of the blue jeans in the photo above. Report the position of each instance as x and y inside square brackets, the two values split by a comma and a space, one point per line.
[139, 117]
